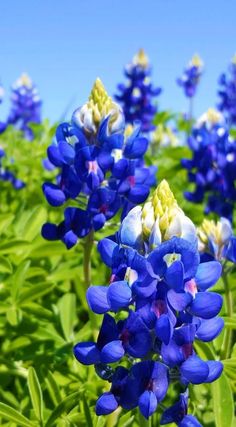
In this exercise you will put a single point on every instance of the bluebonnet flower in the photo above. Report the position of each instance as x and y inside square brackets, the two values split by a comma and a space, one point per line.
[190, 78]
[160, 288]
[101, 168]
[7, 175]
[216, 240]
[227, 93]
[212, 167]
[25, 105]
[136, 96]
[2, 124]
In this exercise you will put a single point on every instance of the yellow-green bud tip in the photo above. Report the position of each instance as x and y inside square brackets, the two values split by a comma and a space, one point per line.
[100, 103]
[25, 80]
[196, 61]
[233, 60]
[141, 59]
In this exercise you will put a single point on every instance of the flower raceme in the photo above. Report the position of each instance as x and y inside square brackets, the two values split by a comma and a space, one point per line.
[25, 105]
[212, 167]
[190, 78]
[136, 96]
[160, 304]
[227, 93]
[101, 168]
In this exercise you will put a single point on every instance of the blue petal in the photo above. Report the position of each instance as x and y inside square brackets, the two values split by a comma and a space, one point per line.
[87, 353]
[207, 274]
[53, 194]
[164, 328]
[135, 147]
[194, 370]
[206, 304]
[179, 301]
[175, 276]
[138, 193]
[106, 247]
[50, 231]
[209, 329]
[119, 295]
[112, 352]
[54, 155]
[172, 354]
[97, 299]
[159, 380]
[147, 403]
[189, 421]
[106, 404]
[70, 239]
[67, 151]
[215, 370]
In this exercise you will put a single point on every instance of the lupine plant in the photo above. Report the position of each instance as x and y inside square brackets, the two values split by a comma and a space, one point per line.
[25, 105]
[227, 93]
[101, 168]
[137, 95]
[212, 167]
[160, 303]
[190, 79]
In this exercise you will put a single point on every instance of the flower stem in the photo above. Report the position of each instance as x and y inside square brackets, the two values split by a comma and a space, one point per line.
[88, 247]
[143, 422]
[227, 342]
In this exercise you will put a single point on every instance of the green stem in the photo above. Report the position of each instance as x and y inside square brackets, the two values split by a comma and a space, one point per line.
[227, 342]
[88, 247]
[143, 422]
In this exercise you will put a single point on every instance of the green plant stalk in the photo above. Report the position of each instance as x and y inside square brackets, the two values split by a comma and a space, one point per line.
[88, 247]
[227, 342]
[143, 422]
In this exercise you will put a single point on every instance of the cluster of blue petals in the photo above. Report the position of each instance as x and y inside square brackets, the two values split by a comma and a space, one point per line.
[136, 97]
[227, 94]
[190, 79]
[212, 169]
[102, 173]
[25, 108]
[162, 300]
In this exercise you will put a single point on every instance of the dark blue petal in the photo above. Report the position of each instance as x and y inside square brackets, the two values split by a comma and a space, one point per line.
[175, 275]
[215, 370]
[172, 354]
[194, 370]
[189, 421]
[70, 239]
[112, 352]
[164, 328]
[106, 247]
[87, 353]
[209, 329]
[53, 194]
[97, 299]
[119, 295]
[106, 404]
[207, 274]
[206, 305]
[179, 301]
[147, 403]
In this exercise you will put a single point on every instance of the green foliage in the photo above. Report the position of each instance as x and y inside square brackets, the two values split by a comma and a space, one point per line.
[43, 309]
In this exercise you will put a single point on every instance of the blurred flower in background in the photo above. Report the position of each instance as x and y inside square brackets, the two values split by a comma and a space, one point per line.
[137, 95]
[227, 93]
[190, 78]
[25, 105]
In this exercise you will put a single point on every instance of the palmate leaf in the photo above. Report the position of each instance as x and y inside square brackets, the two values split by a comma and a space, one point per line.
[11, 414]
[35, 393]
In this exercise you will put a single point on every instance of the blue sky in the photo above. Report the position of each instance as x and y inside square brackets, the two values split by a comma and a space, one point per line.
[65, 45]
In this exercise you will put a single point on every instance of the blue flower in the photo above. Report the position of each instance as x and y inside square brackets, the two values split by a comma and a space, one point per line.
[136, 97]
[227, 93]
[101, 167]
[191, 76]
[25, 105]
[178, 414]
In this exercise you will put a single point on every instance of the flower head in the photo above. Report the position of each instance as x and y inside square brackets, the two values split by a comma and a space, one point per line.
[191, 76]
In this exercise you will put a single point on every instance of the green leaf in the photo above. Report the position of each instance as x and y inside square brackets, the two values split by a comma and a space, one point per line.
[35, 292]
[35, 393]
[65, 406]
[89, 421]
[223, 403]
[5, 221]
[18, 278]
[5, 265]
[67, 310]
[34, 224]
[53, 388]
[14, 246]
[11, 414]
[230, 322]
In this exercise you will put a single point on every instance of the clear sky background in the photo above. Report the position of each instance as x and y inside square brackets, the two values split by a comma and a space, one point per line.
[65, 44]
